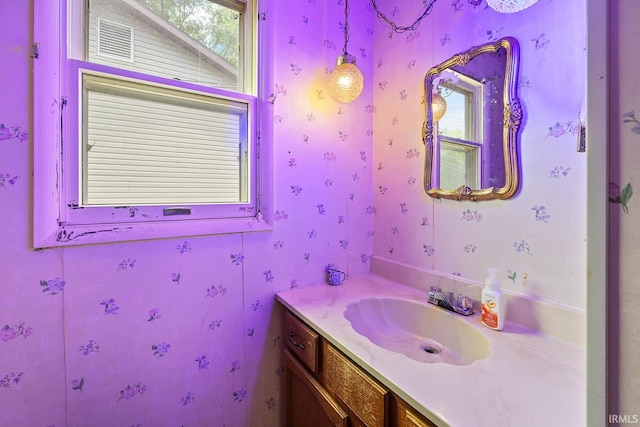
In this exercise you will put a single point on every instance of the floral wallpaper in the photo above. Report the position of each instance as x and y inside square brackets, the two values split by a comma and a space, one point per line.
[184, 332]
[537, 238]
[624, 160]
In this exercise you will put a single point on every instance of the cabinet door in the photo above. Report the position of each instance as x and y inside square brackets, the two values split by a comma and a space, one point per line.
[306, 402]
[407, 417]
[363, 395]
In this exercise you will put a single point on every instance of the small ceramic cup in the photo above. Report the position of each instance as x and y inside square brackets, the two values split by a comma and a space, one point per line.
[336, 277]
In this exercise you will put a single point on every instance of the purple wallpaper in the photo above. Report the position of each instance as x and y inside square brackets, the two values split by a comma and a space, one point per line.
[183, 332]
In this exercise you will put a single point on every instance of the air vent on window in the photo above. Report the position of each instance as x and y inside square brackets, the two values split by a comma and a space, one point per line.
[115, 40]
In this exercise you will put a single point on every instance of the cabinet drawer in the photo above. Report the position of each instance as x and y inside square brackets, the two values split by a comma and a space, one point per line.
[302, 341]
[362, 394]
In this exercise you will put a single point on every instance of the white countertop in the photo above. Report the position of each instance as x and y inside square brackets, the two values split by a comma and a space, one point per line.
[528, 380]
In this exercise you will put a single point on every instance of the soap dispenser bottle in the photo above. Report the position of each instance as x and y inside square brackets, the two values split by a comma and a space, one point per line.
[492, 306]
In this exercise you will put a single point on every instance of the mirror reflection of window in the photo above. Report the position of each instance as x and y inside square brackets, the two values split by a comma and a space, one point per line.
[458, 165]
[460, 133]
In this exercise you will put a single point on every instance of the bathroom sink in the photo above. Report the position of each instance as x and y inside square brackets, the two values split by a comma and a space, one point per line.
[420, 331]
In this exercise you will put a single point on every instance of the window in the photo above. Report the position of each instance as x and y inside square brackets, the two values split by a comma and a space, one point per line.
[460, 133]
[153, 125]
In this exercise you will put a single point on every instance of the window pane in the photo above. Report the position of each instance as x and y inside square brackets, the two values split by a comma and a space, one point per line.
[146, 145]
[458, 165]
[196, 41]
[454, 122]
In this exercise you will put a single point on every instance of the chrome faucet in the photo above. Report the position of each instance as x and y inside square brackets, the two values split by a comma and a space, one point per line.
[462, 305]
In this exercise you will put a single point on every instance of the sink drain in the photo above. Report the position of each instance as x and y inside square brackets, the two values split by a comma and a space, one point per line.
[430, 349]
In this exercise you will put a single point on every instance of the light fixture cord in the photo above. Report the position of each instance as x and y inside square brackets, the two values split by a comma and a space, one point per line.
[346, 27]
[427, 10]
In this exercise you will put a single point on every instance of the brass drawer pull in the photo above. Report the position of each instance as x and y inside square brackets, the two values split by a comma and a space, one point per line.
[294, 342]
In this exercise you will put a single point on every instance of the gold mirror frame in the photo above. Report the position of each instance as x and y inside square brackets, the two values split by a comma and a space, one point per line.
[512, 122]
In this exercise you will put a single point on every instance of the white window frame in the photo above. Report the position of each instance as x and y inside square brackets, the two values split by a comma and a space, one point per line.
[56, 108]
[471, 168]
[473, 140]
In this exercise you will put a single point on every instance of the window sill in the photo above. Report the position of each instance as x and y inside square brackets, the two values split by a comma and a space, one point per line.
[125, 232]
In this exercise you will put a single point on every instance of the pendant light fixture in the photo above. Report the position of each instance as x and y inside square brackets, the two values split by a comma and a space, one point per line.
[438, 107]
[510, 6]
[346, 81]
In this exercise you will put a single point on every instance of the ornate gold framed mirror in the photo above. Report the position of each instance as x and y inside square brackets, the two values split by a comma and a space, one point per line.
[473, 118]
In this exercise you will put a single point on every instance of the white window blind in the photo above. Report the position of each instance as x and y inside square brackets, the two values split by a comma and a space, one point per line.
[146, 145]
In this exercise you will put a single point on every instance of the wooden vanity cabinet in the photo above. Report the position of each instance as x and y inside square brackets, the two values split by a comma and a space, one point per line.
[324, 388]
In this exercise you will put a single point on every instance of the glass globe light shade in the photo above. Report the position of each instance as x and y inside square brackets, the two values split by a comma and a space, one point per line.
[438, 107]
[346, 82]
[510, 6]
